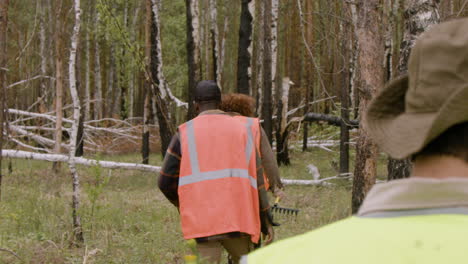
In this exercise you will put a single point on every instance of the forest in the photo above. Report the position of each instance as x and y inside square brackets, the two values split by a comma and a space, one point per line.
[92, 91]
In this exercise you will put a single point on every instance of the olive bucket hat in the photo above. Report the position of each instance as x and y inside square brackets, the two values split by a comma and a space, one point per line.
[411, 111]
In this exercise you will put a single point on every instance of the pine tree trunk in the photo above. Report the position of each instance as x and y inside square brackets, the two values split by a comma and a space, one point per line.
[344, 131]
[42, 48]
[267, 72]
[110, 93]
[87, 92]
[420, 15]
[3, 59]
[59, 82]
[133, 79]
[306, 27]
[97, 74]
[244, 53]
[372, 78]
[193, 52]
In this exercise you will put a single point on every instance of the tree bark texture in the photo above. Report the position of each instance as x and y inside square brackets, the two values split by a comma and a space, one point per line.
[77, 229]
[267, 74]
[273, 18]
[147, 111]
[3, 61]
[344, 128]
[80, 135]
[97, 74]
[158, 82]
[244, 54]
[420, 15]
[59, 82]
[372, 78]
[214, 30]
[282, 151]
[193, 52]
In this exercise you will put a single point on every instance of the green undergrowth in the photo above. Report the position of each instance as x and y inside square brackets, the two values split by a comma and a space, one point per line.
[125, 218]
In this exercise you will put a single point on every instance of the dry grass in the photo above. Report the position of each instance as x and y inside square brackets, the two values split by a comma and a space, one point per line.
[131, 222]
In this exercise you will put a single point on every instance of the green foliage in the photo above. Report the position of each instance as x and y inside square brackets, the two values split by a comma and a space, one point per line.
[173, 38]
[95, 188]
[133, 222]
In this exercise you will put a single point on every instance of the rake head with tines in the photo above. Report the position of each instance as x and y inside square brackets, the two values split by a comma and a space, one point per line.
[283, 210]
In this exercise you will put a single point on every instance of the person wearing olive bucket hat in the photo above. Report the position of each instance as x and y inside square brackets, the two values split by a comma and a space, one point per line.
[422, 219]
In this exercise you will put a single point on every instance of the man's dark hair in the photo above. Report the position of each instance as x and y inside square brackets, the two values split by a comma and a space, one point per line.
[207, 92]
[453, 142]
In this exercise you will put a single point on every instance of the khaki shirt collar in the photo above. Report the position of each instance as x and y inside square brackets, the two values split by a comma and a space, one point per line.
[212, 112]
[415, 193]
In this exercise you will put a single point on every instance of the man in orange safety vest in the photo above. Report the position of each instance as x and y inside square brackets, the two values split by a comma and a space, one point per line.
[212, 172]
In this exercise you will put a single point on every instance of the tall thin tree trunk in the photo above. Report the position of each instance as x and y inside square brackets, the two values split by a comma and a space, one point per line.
[267, 72]
[77, 229]
[110, 92]
[97, 73]
[344, 131]
[222, 52]
[59, 71]
[420, 15]
[3, 63]
[161, 91]
[42, 48]
[260, 54]
[306, 26]
[244, 51]
[215, 41]
[282, 152]
[79, 87]
[133, 79]
[147, 120]
[372, 78]
[87, 90]
[193, 52]
[274, 43]
[147, 111]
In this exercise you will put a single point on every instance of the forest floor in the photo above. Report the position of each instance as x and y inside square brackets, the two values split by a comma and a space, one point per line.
[126, 219]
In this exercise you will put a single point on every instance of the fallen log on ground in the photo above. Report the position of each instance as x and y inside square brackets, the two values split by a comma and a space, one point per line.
[330, 119]
[12, 153]
[322, 182]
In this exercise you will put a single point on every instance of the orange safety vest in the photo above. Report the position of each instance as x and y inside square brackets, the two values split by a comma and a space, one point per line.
[218, 176]
[266, 181]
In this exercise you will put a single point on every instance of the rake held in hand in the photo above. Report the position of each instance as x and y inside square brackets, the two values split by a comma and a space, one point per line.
[283, 210]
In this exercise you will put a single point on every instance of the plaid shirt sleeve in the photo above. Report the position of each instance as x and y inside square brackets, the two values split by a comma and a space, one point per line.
[168, 181]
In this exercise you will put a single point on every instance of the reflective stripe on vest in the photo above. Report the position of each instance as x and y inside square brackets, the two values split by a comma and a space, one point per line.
[218, 176]
[433, 236]
[198, 176]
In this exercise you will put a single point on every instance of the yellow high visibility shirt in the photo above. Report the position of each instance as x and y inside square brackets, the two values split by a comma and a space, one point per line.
[426, 239]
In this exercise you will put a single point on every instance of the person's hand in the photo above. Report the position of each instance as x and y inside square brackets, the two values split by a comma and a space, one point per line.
[270, 236]
[279, 193]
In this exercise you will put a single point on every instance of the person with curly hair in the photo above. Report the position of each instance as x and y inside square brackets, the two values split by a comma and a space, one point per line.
[241, 104]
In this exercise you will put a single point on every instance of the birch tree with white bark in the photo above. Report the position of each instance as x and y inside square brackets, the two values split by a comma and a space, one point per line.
[193, 51]
[420, 16]
[77, 228]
